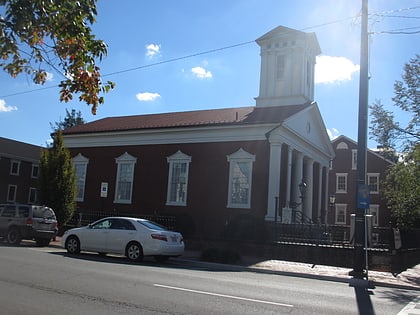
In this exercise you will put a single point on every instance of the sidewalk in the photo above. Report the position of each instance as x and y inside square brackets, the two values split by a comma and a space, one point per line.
[409, 279]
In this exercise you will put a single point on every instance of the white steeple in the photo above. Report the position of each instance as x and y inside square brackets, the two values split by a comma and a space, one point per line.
[287, 67]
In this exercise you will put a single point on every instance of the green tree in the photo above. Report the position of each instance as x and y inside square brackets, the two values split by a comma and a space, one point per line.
[72, 119]
[402, 185]
[402, 190]
[387, 132]
[56, 34]
[57, 180]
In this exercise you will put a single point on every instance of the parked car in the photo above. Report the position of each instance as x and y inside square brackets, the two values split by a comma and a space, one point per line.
[20, 221]
[131, 237]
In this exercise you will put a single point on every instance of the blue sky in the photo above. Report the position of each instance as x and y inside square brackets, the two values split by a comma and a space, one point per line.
[143, 35]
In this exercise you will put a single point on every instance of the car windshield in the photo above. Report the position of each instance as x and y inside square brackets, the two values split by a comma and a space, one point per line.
[152, 225]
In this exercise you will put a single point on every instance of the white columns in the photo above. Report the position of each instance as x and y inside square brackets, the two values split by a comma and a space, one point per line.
[327, 197]
[273, 179]
[319, 207]
[297, 176]
[309, 179]
[289, 176]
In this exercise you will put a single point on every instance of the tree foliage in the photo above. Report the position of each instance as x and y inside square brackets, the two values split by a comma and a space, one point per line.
[72, 119]
[402, 190]
[384, 129]
[57, 34]
[57, 180]
[402, 184]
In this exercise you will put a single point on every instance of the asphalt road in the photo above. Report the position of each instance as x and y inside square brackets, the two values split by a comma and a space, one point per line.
[46, 280]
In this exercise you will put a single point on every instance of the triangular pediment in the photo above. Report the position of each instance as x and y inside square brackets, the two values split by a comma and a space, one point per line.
[309, 126]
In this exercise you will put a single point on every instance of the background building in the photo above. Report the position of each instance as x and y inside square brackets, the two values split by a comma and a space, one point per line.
[19, 166]
[343, 179]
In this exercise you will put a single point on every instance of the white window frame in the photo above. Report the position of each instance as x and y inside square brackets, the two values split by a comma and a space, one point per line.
[354, 159]
[338, 208]
[177, 185]
[124, 160]
[35, 167]
[80, 163]
[32, 192]
[234, 159]
[337, 176]
[369, 177]
[15, 187]
[12, 163]
[374, 211]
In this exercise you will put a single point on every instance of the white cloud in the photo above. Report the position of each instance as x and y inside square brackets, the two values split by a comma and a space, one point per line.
[152, 50]
[5, 108]
[201, 73]
[333, 133]
[147, 96]
[330, 69]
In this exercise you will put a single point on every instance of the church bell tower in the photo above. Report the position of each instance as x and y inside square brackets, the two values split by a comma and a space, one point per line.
[288, 61]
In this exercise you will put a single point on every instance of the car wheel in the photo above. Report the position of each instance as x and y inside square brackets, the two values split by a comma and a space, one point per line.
[13, 236]
[73, 245]
[42, 241]
[134, 251]
[161, 259]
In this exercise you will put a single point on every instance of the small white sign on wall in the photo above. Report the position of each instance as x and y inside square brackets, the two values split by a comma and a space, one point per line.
[104, 189]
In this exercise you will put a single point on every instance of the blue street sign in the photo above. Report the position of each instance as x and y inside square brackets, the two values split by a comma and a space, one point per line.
[363, 196]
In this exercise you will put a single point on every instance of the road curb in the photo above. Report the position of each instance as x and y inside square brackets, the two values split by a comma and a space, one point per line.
[230, 267]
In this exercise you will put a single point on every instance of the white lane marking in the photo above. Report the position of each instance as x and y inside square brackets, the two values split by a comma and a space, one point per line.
[221, 295]
[411, 308]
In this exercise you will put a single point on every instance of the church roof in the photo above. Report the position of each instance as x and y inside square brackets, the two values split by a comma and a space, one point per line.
[199, 118]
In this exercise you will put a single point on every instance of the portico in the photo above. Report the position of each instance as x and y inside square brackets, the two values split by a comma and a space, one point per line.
[296, 185]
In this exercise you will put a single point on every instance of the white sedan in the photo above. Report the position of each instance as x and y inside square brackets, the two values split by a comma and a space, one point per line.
[131, 237]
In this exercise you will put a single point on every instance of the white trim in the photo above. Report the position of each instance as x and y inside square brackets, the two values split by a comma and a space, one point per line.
[354, 159]
[240, 156]
[126, 159]
[375, 218]
[341, 207]
[83, 162]
[373, 175]
[177, 157]
[8, 193]
[34, 165]
[12, 162]
[32, 189]
[337, 175]
[169, 136]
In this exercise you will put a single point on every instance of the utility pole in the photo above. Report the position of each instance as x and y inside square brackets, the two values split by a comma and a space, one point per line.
[359, 229]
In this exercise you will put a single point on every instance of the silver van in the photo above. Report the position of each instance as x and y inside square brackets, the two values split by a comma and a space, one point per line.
[20, 221]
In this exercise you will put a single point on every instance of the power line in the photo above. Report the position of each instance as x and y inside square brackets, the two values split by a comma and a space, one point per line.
[403, 31]
[178, 58]
[223, 48]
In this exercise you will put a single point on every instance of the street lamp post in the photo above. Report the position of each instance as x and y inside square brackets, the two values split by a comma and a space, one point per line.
[332, 204]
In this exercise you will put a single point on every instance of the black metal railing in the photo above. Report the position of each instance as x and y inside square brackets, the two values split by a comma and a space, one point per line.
[338, 235]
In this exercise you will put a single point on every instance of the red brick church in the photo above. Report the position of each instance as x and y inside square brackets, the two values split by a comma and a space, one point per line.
[215, 165]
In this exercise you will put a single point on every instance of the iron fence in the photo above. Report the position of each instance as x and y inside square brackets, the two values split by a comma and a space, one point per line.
[339, 235]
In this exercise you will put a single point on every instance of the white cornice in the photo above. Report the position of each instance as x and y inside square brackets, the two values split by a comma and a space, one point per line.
[169, 136]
